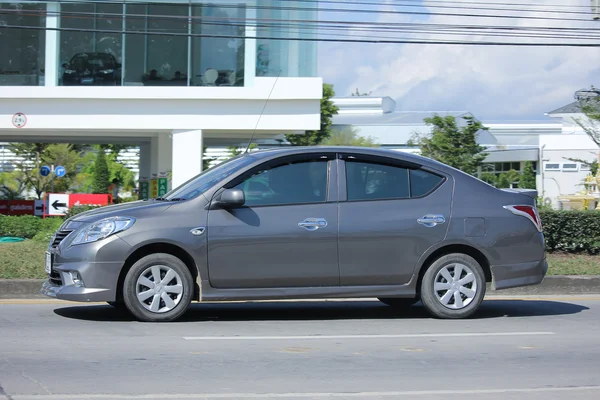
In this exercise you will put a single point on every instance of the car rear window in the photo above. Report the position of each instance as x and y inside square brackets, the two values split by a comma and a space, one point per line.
[423, 182]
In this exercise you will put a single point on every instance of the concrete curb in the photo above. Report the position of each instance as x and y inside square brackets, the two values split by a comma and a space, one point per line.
[552, 285]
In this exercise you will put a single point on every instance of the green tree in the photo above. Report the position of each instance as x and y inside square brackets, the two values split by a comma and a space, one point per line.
[452, 144]
[328, 110]
[506, 179]
[101, 173]
[349, 136]
[489, 177]
[527, 179]
[589, 102]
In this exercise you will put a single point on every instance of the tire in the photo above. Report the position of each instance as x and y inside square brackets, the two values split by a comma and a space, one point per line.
[399, 302]
[443, 303]
[164, 302]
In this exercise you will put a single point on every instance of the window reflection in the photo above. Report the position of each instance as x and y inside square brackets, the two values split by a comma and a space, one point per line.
[22, 44]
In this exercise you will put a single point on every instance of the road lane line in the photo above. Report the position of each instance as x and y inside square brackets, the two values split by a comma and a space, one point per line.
[406, 393]
[398, 336]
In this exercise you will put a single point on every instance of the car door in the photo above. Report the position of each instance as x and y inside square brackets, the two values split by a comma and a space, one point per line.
[286, 233]
[388, 215]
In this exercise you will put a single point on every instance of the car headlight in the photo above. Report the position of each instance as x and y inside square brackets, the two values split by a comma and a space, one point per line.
[102, 229]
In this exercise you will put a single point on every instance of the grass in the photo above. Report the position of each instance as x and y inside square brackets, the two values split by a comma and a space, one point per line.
[25, 260]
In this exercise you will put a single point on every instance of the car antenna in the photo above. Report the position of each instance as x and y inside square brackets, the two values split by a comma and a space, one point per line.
[261, 113]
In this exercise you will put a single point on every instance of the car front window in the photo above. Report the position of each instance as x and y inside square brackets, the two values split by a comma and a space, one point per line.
[201, 183]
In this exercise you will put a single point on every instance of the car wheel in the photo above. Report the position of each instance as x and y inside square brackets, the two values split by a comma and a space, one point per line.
[399, 302]
[158, 288]
[453, 286]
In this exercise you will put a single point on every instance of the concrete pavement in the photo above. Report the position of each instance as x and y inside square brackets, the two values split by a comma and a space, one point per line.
[532, 348]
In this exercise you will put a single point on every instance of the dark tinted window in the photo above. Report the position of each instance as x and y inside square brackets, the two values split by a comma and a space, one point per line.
[290, 183]
[422, 182]
[367, 181]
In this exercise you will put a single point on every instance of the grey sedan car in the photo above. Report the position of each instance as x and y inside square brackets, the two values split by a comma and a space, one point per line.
[292, 223]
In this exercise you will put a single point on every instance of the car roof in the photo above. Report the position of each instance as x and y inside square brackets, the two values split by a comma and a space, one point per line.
[374, 151]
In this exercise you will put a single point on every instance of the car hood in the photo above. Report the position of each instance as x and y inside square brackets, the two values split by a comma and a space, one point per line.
[131, 209]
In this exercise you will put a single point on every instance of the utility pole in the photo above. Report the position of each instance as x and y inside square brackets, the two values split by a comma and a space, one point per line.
[596, 10]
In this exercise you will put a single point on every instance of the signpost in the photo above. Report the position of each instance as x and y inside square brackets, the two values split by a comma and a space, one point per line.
[58, 204]
[60, 171]
[154, 186]
[144, 189]
[45, 170]
[162, 184]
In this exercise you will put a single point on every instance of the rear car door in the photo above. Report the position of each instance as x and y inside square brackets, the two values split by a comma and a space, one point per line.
[391, 212]
[286, 233]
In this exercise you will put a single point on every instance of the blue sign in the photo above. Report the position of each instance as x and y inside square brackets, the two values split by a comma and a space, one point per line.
[45, 171]
[60, 171]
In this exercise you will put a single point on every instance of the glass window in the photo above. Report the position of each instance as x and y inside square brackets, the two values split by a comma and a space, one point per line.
[22, 43]
[288, 58]
[290, 183]
[218, 47]
[422, 182]
[159, 57]
[367, 181]
[90, 46]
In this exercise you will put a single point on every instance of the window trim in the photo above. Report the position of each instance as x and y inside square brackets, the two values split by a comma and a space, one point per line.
[567, 169]
[328, 157]
[392, 162]
[558, 168]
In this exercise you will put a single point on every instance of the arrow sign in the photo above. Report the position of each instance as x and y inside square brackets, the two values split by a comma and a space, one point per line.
[60, 171]
[45, 171]
[57, 205]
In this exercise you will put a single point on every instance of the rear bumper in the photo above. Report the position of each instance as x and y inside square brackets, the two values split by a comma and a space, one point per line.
[516, 275]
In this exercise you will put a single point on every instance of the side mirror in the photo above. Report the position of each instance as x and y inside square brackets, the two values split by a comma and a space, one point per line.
[231, 198]
[65, 65]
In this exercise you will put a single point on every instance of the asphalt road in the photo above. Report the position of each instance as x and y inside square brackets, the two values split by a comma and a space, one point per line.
[513, 349]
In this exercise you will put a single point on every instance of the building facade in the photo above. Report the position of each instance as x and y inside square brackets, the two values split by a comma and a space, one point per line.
[168, 76]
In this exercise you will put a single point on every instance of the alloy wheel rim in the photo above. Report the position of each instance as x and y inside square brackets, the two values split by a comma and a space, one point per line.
[159, 289]
[455, 286]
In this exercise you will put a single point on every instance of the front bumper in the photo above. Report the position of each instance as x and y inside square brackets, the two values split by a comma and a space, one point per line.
[516, 275]
[98, 281]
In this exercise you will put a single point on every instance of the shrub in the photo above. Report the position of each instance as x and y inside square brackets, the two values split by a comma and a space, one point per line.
[572, 231]
[25, 226]
[47, 228]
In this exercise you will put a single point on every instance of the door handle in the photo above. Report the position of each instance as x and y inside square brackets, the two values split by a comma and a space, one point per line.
[431, 220]
[312, 224]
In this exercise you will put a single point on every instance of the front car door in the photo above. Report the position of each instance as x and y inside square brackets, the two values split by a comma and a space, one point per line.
[286, 233]
[383, 218]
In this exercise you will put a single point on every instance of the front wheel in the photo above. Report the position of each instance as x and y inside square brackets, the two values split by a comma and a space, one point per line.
[453, 287]
[158, 288]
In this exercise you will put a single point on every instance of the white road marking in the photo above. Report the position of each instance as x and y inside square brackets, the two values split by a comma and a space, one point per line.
[406, 393]
[399, 336]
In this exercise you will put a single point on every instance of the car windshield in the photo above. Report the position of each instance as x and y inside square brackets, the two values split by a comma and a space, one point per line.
[201, 183]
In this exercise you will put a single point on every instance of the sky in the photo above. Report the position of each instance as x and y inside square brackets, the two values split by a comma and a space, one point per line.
[495, 83]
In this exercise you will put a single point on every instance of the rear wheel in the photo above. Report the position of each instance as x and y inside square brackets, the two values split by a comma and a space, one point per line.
[453, 286]
[399, 302]
[158, 288]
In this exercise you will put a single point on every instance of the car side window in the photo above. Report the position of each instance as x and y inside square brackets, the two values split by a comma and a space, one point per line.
[289, 183]
[423, 182]
[370, 181]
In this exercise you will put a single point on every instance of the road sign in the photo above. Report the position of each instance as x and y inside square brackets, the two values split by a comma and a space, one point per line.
[153, 187]
[39, 208]
[144, 189]
[58, 204]
[19, 120]
[60, 171]
[162, 184]
[45, 171]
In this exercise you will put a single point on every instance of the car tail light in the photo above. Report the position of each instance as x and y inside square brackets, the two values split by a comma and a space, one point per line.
[529, 212]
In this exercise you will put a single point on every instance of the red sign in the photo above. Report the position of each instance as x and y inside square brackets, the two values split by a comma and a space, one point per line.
[17, 207]
[88, 199]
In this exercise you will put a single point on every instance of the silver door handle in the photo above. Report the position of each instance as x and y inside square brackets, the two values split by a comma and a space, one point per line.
[312, 224]
[431, 220]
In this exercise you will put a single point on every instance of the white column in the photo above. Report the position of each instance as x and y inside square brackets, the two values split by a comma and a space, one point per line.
[162, 151]
[52, 44]
[187, 155]
[250, 47]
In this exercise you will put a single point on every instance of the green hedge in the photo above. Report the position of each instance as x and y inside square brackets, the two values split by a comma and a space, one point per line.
[29, 227]
[572, 231]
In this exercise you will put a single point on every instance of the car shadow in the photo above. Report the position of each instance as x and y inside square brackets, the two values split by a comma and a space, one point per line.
[324, 310]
